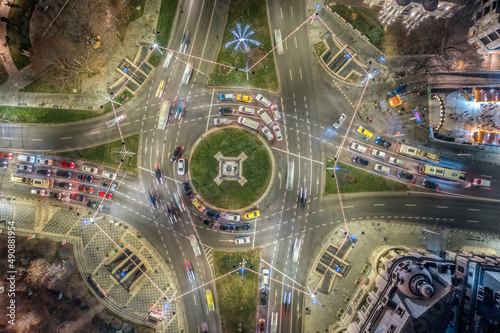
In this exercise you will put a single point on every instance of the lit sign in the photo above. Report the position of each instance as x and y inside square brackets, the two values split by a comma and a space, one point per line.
[418, 117]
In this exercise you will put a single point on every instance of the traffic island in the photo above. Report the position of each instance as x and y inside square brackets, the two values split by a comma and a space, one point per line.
[232, 145]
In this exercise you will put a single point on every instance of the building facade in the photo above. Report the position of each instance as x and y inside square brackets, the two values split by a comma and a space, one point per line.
[484, 33]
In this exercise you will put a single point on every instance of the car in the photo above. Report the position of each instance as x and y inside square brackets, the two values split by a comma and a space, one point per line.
[213, 214]
[264, 116]
[90, 169]
[85, 178]
[263, 100]
[78, 197]
[4, 163]
[406, 175]
[226, 227]
[226, 97]
[24, 167]
[176, 154]
[226, 110]
[381, 168]
[430, 184]
[105, 195]
[44, 172]
[180, 110]
[66, 164]
[7, 156]
[187, 189]
[86, 189]
[221, 121]
[204, 328]
[184, 42]
[95, 205]
[168, 59]
[198, 205]
[206, 222]
[277, 133]
[152, 198]
[378, 153]
[161, 89]
[65, 185]
[64, 174]
[383, 142]
[267, 133]
[244, 98]
[302, 196]
[187, 73]
[359, 160]
[181, 167]
[55, 195]
[233, 217]
[158, 174]
[481, 182]
[109, 174]
[252, 214]
[210, 300]
[246, 110]
[105, 183]
[189, 269]
[24, 158]
[275, 112]
[364, 132]
[262, 325]
[395, 161]
[359, 148]
[38, 191]
[264, 295]
[243, 227]
[44, 161]
[339, 121]
[242, 240]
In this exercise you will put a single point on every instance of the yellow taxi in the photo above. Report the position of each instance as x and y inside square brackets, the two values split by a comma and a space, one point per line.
[161, 88]
[364, 132]
[244, 98]
[198, 205]
[253, 214]
[210, 300]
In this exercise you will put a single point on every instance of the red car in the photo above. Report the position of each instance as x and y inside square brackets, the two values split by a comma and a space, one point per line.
[69, 165]
[262, 325]
[7, 156]
[104, 195]
[86, 189]
[78, 197]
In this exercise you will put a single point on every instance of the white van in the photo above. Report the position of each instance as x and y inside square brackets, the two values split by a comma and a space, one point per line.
[359, 148]
[248, 122]
[109, 174]
[264, 101]
[382, 169]
[265, 117]
[246, 110]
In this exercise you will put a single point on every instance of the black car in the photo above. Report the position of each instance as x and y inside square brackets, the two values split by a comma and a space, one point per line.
[359, 160]
[45, 172]
[67, 186]
[187, 189]
[383, 142]
[55, 195]
[302, 196]
[176, 154]
[94, 205]
[406, 175]
[158, 174]
[4, 163]
[226, 227]
[242, 227]
[207, 222]
[226, 110]
[85, 178]
[152, 198]
[430, 184]
[213, 214]
[264, 295]
[64, 174]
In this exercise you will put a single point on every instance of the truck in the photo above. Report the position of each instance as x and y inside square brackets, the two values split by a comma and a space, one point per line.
[36, 182]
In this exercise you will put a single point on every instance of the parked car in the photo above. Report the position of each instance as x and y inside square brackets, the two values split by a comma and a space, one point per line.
[65, 185]
[252, 214]
[430, 184]
[221, 121]
[85, 178]
[213, 214]
[105, 195]
[233, 217]
[263, 100]
[91, 169]
[181, 167]
[382, 169]
[64, 174]
[7, 156]
[226, 110]
[24, 167]
[86, 189]
[44, 172]
[187, 189]
[95, 205]
[66, 164]
[38, 191]
[267, 133]
[395, 161]
[383, 142]
[105, 183]
[55, 195]
[226, 97]
[25, 158]
[277, 133]
[275, 112]
[44, 161]
[198, 205]
[359, 160]
[244, 98]
[406, 175]
[78, 197]
[378, 153]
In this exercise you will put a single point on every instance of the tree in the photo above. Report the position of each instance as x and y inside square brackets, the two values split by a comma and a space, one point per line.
[47, 248]
[27, 320]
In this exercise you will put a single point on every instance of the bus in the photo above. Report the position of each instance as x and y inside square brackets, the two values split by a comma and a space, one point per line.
[116, 120]
[277, 37]
[442, 173]
[36, 182]
[210, 300]
[163, 116]
[417, 153]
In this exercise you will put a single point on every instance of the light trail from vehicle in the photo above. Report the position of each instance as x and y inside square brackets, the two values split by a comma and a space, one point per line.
[199, 58]
[278, 281]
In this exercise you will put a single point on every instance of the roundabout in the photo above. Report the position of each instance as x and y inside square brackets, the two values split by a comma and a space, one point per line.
[231, 168]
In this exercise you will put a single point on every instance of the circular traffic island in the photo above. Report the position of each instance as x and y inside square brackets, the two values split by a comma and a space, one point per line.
[230, 168]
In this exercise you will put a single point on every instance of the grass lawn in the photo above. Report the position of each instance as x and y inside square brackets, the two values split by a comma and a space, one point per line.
[253, 13]
[44, 116]
[364, 19]
[123, 98]
[230, 194]
[38, 85]
[319, 48]
[363, 181]
[237, 300]
[130, 12]
[155, 57]
[165, 21]
[103, 154]
[18, 31]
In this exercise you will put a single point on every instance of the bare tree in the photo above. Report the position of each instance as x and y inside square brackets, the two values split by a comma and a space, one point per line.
[27, 320]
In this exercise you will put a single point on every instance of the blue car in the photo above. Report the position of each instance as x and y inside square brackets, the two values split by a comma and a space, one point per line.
[226, 97]
[213, 214]
[180, 109]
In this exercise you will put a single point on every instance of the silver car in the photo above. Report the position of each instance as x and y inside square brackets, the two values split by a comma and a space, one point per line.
[267, 133]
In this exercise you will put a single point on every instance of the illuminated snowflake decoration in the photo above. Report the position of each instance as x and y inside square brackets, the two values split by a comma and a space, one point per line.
[242, 39]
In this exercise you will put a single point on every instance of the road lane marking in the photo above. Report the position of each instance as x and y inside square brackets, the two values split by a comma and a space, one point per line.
[410, 205]
[472, 221]
[66, 138]
[441, 207]
[95, 132]
[348, 207]
[473, 209]
[486, 176]
[291, 78]
[378, 205]
[36, 139]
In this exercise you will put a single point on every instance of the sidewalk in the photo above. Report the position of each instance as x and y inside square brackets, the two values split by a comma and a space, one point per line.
[82, 320]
